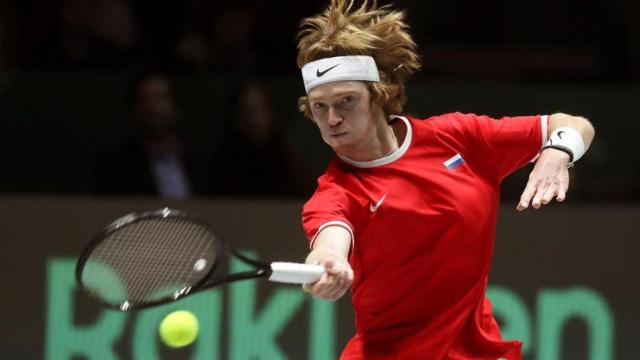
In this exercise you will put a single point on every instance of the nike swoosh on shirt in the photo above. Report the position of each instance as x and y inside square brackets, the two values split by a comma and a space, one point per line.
[374, 208]
[321, 73]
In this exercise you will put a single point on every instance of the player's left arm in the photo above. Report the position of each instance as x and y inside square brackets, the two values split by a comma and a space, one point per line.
[569, 136]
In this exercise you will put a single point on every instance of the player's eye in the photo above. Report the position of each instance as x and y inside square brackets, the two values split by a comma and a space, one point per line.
[347, 102]
[318, 109]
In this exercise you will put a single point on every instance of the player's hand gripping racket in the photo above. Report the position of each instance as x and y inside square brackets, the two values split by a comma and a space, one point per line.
[150, 258]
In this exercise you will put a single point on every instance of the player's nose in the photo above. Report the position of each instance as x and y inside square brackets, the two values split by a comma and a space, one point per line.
[335, 118]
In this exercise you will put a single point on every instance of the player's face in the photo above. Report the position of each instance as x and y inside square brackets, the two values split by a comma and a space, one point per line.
[342, 111]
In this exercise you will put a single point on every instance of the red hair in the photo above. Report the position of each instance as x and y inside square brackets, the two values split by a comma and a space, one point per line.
[379, 32]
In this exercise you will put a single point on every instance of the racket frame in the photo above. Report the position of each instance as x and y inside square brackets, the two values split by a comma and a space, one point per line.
[262, 270]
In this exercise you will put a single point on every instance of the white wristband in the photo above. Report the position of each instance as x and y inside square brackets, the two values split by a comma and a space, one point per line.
[568, 138]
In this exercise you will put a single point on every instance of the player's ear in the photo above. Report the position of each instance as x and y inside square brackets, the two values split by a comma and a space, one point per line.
[376, 96]
[305, 108]
[376, 100]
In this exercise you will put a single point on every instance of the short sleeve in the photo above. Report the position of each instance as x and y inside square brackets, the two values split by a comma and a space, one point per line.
[506, 144]
[329, 206]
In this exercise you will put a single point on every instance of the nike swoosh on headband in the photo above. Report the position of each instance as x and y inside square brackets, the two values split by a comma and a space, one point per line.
[321, 73]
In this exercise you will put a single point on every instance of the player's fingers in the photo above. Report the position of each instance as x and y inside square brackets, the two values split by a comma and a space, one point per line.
[550, 192]
[338, 285]
[343, 280]
[322, 293]
[564, 186]
[527, 194]
[330, 280]
[333, 292]
[338, 272]
[350, 276]
[324, 281]
[332, 268]
[334, 278]
[337, 292]
[338, 281]
[313, 289]
[321, 285]
[334, 283]
[536, 201]
[348, 280]
[309, 287]
[330, 294]
[562, 193]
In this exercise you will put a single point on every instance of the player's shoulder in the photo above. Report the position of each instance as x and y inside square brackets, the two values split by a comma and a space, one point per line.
[333, 183]
[335, 174]
[443, 120]
[448, 123]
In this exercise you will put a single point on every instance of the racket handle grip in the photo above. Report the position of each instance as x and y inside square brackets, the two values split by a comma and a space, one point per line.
[295, 273]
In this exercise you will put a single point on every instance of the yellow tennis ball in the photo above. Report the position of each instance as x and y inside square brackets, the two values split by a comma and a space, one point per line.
[179, 328]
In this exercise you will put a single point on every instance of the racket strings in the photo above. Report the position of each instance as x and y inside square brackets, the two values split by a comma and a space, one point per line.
[151, 241]
[187, 273]
[150, 259]
[147, 284]
[154, 248]
[179, 232]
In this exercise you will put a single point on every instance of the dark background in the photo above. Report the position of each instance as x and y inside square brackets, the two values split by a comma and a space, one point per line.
[68, 70]
[66, 66]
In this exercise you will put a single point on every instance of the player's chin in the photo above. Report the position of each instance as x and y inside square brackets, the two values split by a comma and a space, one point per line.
[339, 142]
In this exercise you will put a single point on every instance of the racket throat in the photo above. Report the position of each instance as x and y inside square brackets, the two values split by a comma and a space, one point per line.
[248, 260]
[259, 273]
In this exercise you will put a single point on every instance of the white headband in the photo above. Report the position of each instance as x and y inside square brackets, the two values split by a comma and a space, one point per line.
[339, 68]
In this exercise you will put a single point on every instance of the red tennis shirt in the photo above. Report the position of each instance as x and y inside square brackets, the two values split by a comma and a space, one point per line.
[423, 222]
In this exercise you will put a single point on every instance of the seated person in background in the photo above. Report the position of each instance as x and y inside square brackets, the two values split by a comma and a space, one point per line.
[156, 161]
[255, 158]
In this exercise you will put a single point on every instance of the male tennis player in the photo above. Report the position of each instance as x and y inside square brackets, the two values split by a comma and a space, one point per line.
[405, 214]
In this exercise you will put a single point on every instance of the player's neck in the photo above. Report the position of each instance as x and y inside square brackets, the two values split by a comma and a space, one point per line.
[383, 140]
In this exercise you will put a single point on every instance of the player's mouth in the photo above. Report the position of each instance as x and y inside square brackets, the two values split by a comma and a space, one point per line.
[337, 135]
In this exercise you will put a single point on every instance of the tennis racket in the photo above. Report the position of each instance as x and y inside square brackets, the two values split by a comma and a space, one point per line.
[150, 258]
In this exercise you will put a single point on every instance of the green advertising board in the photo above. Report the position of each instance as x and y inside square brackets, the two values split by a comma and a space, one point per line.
[547, 293]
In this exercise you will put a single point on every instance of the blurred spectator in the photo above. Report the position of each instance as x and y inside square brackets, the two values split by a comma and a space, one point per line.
[76, 33]
[156, 160]
[219, 38]
[255, 158]
[98, 32]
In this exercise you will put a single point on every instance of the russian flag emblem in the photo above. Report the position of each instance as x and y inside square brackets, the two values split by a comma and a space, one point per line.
[453, 162]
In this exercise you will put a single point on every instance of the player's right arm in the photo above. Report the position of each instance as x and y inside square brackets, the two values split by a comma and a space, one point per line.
[331, 249]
